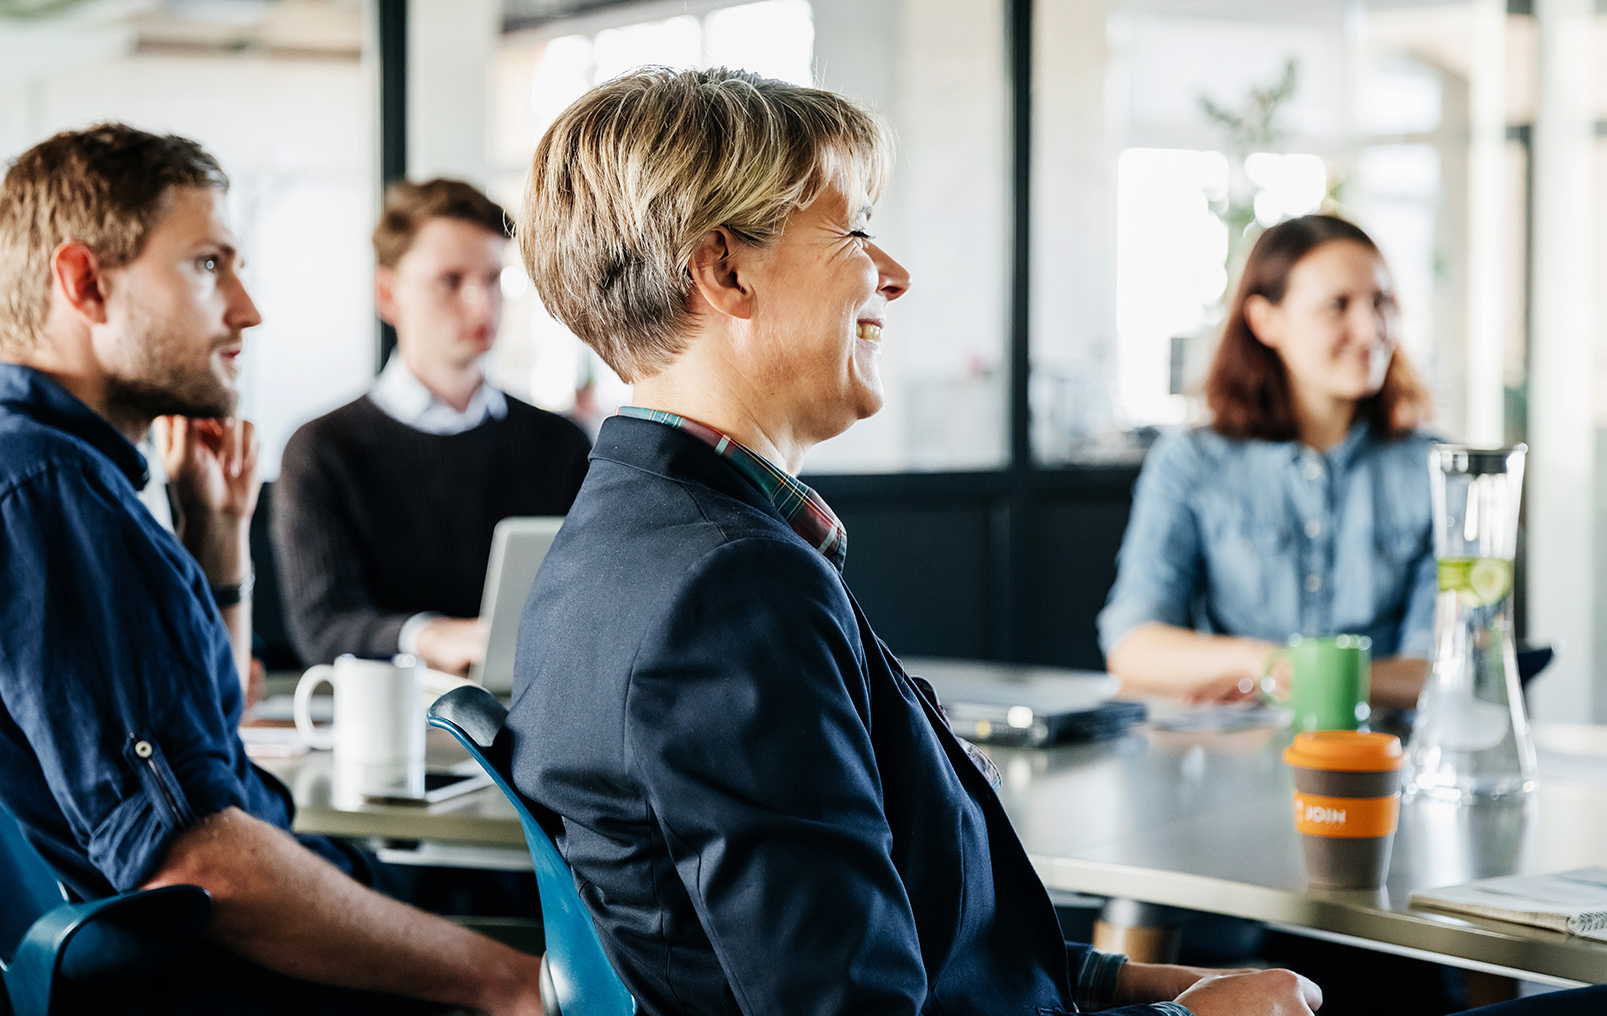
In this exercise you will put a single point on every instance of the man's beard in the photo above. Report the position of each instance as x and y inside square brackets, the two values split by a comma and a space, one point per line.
[161, 381]
[175, 395]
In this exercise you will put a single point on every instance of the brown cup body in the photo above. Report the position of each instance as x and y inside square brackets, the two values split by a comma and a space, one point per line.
[1336, 862]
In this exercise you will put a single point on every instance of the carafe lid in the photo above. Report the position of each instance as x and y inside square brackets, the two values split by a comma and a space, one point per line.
[1477, 461]
[1345, 751]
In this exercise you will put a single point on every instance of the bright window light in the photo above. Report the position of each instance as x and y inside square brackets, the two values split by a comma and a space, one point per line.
[1400, 171]
[775, 38]
[1171, 256]
[1286, 185]
[515, 283]
[677, 42]
[562, 75]
[555, 366]
[1400, 98]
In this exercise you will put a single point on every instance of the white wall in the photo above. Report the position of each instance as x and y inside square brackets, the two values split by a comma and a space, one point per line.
[450, 45]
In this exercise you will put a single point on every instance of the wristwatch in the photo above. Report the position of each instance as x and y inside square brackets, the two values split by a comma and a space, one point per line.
[230, 596]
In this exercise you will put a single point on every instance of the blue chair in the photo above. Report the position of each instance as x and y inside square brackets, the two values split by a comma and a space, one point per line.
[57, 956]
[576, 977]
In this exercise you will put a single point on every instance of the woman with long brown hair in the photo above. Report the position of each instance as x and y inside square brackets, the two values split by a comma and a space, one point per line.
[1303, 508]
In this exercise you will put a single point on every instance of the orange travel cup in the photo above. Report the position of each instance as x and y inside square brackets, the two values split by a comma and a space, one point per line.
[1347, 804]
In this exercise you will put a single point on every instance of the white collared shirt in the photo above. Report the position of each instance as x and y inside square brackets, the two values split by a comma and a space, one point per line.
[403, 398]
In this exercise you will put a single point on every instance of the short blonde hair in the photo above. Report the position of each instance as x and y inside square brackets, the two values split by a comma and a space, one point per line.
[632, 175]
[104, 187]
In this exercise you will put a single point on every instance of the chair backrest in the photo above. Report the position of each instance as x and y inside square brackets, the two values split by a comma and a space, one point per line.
[1531, 661]
[27, 884]
[583, 980]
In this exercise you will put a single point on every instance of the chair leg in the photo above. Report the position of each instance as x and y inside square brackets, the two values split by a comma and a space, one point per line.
[549, 991]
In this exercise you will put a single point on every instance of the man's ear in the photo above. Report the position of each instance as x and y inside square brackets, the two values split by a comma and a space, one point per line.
[1265, 320]
[76, 273]
[718, 274]
[385, 294]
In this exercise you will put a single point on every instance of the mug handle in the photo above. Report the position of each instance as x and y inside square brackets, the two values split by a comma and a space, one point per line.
[322, 739]
[1266, 685]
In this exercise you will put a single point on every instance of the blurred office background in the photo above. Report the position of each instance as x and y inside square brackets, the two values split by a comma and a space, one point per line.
[1075, 180]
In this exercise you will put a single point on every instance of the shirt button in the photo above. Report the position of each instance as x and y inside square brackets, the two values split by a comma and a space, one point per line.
[143, 749]
[1313, 528]
[1313, 469]
[1313, 583]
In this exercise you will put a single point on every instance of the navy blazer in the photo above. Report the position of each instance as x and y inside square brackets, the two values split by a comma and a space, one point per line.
[764, 813]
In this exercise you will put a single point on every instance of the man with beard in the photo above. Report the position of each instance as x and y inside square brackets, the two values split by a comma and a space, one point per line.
[120, 301]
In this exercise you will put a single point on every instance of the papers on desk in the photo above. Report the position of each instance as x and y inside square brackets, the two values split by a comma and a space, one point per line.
[1571, 901]
[272, 740]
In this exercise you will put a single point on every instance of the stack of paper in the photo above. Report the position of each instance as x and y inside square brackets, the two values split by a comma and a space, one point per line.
[1572, 901]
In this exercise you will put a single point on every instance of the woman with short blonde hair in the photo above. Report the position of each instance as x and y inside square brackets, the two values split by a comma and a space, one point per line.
[628, 181]
[765, 813]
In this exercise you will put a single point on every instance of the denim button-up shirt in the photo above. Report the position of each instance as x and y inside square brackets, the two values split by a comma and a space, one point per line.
[1268, 539]
[119, 699]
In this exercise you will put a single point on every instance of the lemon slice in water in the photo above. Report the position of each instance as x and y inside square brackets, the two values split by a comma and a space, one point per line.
[1489, 579]
[1478, 581]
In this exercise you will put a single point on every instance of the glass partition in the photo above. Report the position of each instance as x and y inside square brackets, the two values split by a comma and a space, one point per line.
[1168, 135]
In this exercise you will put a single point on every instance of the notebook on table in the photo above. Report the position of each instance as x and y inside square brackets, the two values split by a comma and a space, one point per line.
[1572, 901]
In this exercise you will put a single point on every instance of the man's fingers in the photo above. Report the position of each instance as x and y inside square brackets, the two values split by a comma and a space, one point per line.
[229, 449]
[250, 446]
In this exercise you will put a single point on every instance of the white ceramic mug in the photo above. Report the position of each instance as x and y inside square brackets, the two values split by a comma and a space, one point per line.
[379, 711]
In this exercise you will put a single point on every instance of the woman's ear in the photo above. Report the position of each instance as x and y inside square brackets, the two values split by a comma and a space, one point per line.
[719, 270]
[1265, 319]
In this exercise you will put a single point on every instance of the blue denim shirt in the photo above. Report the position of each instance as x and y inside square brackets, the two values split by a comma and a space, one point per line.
[1268, 539]
[119, 701]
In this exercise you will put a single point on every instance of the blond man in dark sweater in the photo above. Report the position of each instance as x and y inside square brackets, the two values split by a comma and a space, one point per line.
[384, 508]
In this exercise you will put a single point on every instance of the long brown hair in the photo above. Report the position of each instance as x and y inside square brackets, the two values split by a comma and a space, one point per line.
[1247, 389]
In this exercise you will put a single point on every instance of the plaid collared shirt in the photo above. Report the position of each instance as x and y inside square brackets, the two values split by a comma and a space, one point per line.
[808, 515]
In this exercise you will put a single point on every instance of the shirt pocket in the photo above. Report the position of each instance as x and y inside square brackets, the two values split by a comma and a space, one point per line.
[1250, 574]
[1396, 553]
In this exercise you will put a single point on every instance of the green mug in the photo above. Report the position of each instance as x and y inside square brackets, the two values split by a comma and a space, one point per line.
[1330, 684]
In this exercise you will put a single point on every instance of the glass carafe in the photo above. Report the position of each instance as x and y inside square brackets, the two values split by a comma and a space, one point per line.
[1471, 739]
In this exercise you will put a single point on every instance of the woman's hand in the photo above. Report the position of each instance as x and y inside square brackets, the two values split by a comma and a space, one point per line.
[1162, 659]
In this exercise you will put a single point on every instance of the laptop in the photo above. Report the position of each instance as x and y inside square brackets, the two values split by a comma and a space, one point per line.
[518, 546]
[1014, 704]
